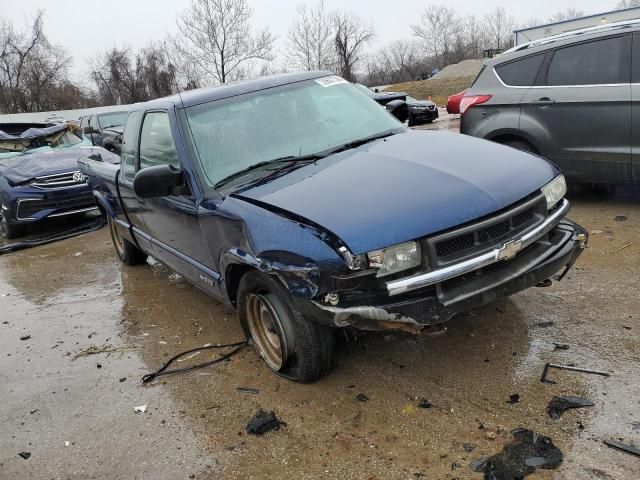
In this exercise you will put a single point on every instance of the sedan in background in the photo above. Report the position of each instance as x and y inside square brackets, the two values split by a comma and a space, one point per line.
[421, 111]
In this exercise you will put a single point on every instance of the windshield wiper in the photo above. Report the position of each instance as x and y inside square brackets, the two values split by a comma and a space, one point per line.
[364, 140]
[289, 160]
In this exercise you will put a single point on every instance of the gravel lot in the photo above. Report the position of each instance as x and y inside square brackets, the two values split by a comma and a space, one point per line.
[74, 295]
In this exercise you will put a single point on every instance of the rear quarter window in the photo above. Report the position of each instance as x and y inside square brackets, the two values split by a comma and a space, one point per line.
[521, 72]
[600, 62]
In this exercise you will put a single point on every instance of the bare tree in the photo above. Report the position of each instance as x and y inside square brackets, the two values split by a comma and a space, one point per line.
[622, 4]
[122, 77]
[437, 29]
[31, 68]
[216, 36]
[310, 39]
[499, 28]
[352, 34]
[475, 36]
[568, 14]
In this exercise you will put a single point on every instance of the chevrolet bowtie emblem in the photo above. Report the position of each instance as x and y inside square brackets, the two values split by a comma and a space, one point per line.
[509, 249]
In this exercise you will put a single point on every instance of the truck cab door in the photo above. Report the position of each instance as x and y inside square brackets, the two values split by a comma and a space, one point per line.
[583, 105]
[172, 222]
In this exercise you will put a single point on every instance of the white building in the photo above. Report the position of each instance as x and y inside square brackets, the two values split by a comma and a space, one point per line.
[535, 33]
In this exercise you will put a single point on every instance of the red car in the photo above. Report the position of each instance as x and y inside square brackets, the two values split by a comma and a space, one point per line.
[453, 102]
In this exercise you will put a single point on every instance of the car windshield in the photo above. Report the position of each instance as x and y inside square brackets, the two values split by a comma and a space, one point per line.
[70, 137]
[294, 120]
[114, 119]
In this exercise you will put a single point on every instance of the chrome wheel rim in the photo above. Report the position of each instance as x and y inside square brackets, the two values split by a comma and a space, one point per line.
[115, 236]
[263, 324]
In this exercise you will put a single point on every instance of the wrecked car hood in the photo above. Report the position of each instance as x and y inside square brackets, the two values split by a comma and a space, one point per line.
[405, 187]
[23, 168]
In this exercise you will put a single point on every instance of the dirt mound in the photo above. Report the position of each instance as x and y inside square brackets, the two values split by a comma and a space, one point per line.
[436, 88]
[466, 68]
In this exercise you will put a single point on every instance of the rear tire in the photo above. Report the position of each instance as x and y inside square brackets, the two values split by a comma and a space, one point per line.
[8, 230]
[127, 252]
[290, 345]
[520, 145]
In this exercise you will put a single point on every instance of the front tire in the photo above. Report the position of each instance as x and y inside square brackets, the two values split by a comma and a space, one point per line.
[127, 252]
[8, 230]
[290, 345]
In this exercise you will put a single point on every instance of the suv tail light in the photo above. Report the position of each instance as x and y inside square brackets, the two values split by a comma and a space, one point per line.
[471, 101]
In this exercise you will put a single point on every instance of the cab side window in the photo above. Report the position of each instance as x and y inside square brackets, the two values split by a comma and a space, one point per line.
[156, 141]
[600, 62]
[128, 151]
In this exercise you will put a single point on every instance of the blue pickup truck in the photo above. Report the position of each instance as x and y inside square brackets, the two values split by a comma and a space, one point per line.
[303, 204]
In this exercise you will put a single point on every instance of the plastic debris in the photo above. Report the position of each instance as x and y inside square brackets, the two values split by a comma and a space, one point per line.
[513, 399]
[558, 405]
[620, 218]
[424, 403]
[25, 337]
[408, 409]
[25, 455]
[560, 346]
[263, 422]
[253, 391]
[140, 409]
[469, 447]
[623, 447]
[67, 443]
[361, 397]
[528, 452]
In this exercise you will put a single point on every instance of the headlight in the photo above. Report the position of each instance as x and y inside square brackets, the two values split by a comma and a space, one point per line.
[554, 191]
[396, 258]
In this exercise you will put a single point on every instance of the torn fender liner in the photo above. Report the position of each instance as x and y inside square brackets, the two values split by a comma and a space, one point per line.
[558, 405]
[529, 451]
[383, 320]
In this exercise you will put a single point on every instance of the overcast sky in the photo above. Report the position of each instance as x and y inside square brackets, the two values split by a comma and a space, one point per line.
[86, 27]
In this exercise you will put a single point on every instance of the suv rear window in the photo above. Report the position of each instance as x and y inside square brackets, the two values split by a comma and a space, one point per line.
[599, 62]
[522, 72]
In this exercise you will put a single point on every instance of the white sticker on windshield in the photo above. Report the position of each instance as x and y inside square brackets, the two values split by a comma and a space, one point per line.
[330, 81]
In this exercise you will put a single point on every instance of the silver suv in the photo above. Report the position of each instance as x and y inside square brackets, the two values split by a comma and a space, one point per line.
[573, 98]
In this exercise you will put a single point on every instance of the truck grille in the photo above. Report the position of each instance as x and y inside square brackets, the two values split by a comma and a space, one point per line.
[486, 234]
[60, 180]
[29, 207]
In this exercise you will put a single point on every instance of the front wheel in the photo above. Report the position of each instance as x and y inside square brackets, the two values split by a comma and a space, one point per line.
[128, 253]
[8, 230]
[290, 345]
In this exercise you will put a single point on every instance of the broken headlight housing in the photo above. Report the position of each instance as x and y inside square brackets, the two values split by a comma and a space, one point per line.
[396, 258]
[554, 191]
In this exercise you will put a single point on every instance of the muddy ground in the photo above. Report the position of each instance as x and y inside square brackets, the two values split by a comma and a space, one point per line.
[74, 295]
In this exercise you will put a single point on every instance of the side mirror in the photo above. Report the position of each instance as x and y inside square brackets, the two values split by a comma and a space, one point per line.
[399, 109]
[158, 181]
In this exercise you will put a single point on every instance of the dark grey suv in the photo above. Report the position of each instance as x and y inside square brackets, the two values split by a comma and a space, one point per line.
[573, 98]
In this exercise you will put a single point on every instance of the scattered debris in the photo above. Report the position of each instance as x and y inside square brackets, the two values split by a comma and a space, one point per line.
[560, 346]
[25, 337]
[623, 447]
[469, 447]
[25, 455]
[253, 391]
[67, 443]
[263, 422]
[513, 398]
[361, 397]
[595, 232]
[140, 409]
[628, 244]
[408, 409]
[106, 348]
[123, 379]
[33, 411]
[558, 405]
[544, 283]
[620, 218]
[627, 327]
[528, 452]
[490, 434]
[544, 324]
[547, 366]
[424, 403]
[98, 365]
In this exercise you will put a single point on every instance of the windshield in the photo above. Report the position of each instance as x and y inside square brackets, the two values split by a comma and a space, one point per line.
[293, 120]
[69, 137]
[114, 119]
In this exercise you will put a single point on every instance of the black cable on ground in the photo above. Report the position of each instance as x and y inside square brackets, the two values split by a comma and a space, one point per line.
[163, 370]
[73, 232]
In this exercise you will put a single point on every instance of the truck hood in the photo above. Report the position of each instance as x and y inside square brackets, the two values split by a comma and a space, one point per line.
[25, 167]
[404, 187]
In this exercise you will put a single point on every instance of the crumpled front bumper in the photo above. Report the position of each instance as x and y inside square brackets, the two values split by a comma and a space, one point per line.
[555, 252]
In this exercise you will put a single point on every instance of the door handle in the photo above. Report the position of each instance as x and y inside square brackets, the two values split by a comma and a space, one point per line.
[544, 101]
